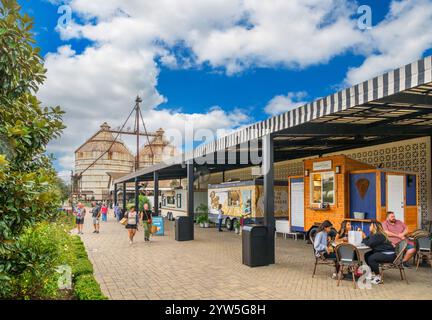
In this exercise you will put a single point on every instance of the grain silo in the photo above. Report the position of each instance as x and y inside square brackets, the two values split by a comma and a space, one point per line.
[157, 151]
[92, 168]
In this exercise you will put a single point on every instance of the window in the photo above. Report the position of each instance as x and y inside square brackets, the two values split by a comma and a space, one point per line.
[171, 200]
[234, 198]
[323, 188]
[179, 202]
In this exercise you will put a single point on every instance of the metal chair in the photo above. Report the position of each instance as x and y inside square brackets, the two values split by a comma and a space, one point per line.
[320, 259]
[397, 262]
[423, 250]
[347, 256]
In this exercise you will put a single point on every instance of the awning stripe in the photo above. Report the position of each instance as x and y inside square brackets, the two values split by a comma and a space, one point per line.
[406, 77]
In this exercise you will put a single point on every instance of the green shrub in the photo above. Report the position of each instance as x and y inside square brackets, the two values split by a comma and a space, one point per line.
[81, 267]
[87, 288]
[39, 251]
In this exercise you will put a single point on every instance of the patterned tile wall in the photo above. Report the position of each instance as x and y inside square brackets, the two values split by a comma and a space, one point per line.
[412, 155]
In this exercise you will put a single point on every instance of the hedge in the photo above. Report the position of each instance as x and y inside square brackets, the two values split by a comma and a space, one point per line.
[85, 286]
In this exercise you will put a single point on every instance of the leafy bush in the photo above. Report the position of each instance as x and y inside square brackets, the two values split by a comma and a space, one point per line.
[36, 256]
[203, 208]
[202, 219]
[79, 262]
[143, 200]
[29, 192]
[87, 288]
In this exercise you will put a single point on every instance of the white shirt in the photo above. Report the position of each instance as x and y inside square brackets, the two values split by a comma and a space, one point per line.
[220, 214]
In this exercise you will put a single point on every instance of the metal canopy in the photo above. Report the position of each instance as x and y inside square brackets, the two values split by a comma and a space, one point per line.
[394, 106]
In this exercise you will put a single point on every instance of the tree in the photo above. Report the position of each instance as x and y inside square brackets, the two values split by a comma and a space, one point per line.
[65, 189]
[28, 183]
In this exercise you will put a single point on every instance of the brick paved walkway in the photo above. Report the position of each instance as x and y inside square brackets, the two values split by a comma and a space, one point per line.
[210, 268]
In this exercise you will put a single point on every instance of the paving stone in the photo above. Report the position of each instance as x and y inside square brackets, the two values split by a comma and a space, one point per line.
[210, 268]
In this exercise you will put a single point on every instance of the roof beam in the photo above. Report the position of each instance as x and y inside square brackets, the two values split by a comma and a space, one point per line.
[343, 130]
[408, 98]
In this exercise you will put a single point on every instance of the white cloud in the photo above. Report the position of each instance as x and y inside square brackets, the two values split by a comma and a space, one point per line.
[65, 175]
[285, 103]
[129, 39]
[401, 38]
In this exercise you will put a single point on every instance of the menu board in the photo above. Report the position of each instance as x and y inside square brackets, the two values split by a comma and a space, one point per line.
[297, 204]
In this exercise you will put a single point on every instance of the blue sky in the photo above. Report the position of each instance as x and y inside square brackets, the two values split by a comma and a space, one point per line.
[219, 84]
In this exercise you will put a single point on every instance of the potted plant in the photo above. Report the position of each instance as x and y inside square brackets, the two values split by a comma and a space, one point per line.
[237, 226]
[206, 221]
[201, 220]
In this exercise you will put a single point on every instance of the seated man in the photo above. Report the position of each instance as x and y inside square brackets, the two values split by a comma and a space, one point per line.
[396, 231]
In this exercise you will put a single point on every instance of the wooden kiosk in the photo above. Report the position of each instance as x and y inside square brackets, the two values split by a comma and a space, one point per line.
[338, 188]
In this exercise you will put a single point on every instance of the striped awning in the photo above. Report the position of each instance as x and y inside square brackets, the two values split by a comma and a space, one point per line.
[364, 103]
[390, 83]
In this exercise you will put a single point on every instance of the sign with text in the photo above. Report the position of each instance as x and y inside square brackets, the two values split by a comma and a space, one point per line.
[322, 165]
[159, 223]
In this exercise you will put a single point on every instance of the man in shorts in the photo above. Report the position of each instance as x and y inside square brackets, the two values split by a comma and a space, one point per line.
[397, 231]
[79, 213]
[96, 213]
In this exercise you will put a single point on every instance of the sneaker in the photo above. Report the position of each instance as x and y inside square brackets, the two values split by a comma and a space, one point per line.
[130, 242]
[406, 265]
[220, 230]
[95, 231]
[376, 280]
[334, 275]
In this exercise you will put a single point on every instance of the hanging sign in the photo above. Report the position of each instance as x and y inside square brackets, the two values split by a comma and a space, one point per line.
[322, 165]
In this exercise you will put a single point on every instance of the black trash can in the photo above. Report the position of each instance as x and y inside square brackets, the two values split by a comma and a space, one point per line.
[254, 245]
[184, 229]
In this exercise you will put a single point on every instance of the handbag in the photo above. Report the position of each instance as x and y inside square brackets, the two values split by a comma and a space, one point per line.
[123, 221]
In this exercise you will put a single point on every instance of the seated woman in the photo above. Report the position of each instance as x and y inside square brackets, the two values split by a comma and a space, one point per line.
[321, 243]
[382, 250]
[342, 235]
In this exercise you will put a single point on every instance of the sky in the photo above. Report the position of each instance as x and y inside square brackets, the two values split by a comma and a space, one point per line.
[212, 64]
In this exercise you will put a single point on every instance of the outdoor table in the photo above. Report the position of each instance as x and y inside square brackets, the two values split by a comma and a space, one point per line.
[362, 248]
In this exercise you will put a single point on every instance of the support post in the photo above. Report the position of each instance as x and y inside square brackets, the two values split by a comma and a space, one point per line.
[190, 195]
[156, 192]
[136, 195]
[268, 172]
[115, 194]
[124, 196]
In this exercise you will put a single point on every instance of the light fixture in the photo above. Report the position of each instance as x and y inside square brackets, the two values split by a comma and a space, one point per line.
[338, 169]
[306, 173]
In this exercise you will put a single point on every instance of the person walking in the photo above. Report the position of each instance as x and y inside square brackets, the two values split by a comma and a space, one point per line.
[117, 212]
[96, 213]
[104, 210]
[220, 217]
[132, 223]
[79, 214]
[146, 221]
